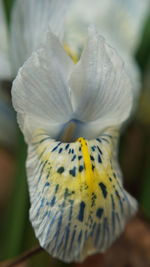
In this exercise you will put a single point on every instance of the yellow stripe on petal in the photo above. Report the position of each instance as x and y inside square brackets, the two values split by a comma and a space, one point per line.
[87, 162]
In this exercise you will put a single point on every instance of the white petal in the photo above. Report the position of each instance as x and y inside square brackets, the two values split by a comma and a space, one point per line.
[4, 54]
[40, 92]
[101, 91]
[122, 29]
[78, 203]
[30, 21]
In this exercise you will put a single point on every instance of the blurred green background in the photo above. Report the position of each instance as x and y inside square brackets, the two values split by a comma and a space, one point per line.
[16, 234]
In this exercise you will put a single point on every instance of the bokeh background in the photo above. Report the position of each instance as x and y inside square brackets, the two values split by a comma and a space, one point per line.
[16, 234]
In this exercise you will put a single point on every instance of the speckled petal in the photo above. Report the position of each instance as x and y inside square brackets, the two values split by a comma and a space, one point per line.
[78, 203]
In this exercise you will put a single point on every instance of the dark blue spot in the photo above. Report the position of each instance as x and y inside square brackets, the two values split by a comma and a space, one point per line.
[44, 139]
[120, 201]
[91, 157]
[117, 194]
[73, 158]
[114, 175]
[81, 168]
[67, 146]
[99, 212]
[104, 189]
[71, 209]
[66, 194]
[81, 211]
[99, 159]
[80, 236]
[69, 151]
[99, 140]
[79, 157]
[93, 167]
[73, 172]
[72, 151]
[94, 196]
[113, 202]
[100, 151]
[41, 172]
[47, 184]
[60, 170]
[60, 150]
[53, 201]
[93, 148]
[42, 153]
[56, 188]
[56, 147]
[42, 204]
[48, 174]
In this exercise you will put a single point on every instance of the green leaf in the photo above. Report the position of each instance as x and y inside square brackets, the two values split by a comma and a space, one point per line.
[18, 210]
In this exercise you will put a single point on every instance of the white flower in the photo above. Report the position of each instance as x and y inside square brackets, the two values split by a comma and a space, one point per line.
[78, 203]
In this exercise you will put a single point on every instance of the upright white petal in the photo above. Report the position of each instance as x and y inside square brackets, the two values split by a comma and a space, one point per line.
[4, 55]
[41, 93]
[119, 21]
[30, 21]
[101, 90]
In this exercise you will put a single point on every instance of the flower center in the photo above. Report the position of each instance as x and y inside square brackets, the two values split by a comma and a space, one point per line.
[71, 53]
[69, 132]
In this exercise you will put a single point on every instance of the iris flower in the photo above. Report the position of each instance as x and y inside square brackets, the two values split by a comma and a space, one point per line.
[71, 116]
[71, 113]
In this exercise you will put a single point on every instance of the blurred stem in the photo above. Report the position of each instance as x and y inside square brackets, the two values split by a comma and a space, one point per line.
[142, 54]
[18, 209]
[25, 256]
[8, 5]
